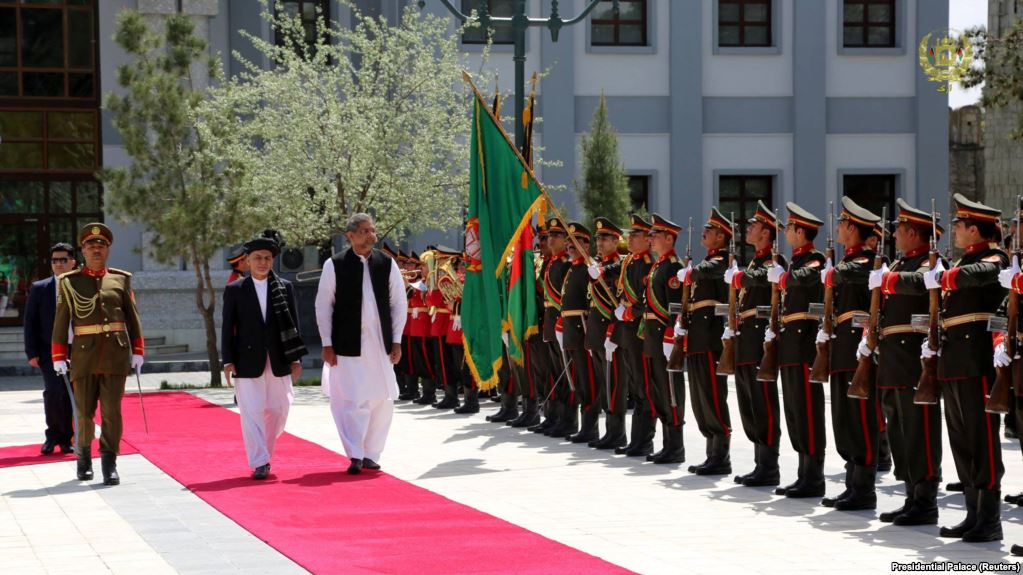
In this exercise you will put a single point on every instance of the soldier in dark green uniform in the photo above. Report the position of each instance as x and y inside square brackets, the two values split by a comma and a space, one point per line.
[914, 430]
[553, 279]
[703, 345]
[537, 357]
[601, 329]
[572, 331]
[803, 399]
[665, 390]
[971, 294]
[758, 400]
[854, 421]
[98, 304]
[629, 313]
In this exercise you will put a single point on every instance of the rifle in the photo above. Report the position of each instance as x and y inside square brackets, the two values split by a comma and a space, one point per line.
[927, 388]
[769, 362]
[726, 365]
[677, 359]
[1005, 377]
[821, 370]
[864, 377]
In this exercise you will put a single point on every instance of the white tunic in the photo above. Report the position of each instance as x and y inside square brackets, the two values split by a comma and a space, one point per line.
[370, 376]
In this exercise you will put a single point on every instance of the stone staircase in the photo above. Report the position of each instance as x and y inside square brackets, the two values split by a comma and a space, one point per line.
[12, 346]
[159, 346]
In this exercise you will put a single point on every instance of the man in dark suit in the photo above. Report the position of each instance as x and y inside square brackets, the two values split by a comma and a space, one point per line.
[261, 348]
[39, 312]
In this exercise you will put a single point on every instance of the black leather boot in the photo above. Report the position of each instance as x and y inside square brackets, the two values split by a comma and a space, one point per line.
[530, 414]
[862, 496]
[954, 486]
[108, 462]
[782, 490]
[813, 479]
[429, 395]
[1017, 550]
[674, 452]
[989, 518]
[471, 403]
[889, 516]
[884, 453]
[590, 427]
[664, 444]
[569, 424]
[831, 501]
[450, 400]
[924, 510]
[509, 409]
[607, 429]
[966, 524]
[766, 473]
[709, 450]
[554, 412]
[720, 462]
[756, 465]
[85, 464]
[615, 436]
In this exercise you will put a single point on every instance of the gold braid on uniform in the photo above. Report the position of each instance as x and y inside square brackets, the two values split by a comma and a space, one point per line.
[81, 306]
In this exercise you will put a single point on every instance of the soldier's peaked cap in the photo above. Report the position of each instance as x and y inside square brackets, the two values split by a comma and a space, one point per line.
[764, 215]
[95, 230]
[638, 224]
[910, 215]
[236, 255]
[445, 251]
[802, 218]
[966, 209]
[719, 221]
[579, 231]
[857, 214]
[605, 226]
[556, 225]
[657, 223]
[387, 249]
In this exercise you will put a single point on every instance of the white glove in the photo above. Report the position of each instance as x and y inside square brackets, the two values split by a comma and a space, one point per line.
[827, 268]
[926, 353]
[876, 277]
[822, 337]
[1001, 358]
[595, 271]
[679, 332]
[620, 312]
[60, 367]
[769, 335]
[774, 273]
[557, 335]
[667, 349]
[931, 276]
[682, 273]
[728, 333]
[609, 348]
[862, 350]
[456, 324]
[1005, 276]
[136, 362]
[730, 272]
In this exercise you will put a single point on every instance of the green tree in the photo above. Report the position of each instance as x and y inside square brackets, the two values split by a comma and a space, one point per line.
[605, 187]
[998, 64]
[184, 183]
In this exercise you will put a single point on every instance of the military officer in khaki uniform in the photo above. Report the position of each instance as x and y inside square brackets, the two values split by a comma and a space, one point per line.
[97, 302]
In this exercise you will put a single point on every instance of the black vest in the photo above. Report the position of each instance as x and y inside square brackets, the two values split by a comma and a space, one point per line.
[346, 325]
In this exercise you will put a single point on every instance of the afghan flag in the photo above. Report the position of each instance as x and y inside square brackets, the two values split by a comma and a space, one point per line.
[503, 194]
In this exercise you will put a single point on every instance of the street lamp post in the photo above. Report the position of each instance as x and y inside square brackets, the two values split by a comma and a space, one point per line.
[519, 22]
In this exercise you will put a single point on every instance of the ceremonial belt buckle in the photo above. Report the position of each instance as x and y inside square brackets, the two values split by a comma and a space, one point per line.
[573, 313]
[901, 328]
[964, 319]
[844, 317]
[702, 304]
[96, 329]
[798, 316]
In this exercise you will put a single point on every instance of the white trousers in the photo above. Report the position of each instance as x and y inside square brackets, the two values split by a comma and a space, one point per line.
[264, 403]
[362, 425]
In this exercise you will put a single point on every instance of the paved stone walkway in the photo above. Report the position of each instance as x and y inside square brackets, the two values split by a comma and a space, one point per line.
[652, 519]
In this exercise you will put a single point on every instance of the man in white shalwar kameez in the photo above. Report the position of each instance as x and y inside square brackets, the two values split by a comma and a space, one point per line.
[360, 311]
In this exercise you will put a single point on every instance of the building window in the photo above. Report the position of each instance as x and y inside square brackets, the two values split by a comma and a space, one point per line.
[744, 23]
[48, 50]
[496, 8]
[52, 140]
[737, 200]
[639, 193]
[628, 29]
[307, 11]
[868, 24]
[872, 191]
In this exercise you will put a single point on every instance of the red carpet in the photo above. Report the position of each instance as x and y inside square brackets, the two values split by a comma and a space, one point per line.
[29, 455]
[331, 522]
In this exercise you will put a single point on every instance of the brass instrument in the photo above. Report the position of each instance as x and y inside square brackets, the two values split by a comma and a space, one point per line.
[451, 289]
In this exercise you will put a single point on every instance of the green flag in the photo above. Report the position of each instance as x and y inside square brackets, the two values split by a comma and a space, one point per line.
[503, 194]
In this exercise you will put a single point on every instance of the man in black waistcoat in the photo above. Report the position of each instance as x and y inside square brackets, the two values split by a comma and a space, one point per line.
[360, 312]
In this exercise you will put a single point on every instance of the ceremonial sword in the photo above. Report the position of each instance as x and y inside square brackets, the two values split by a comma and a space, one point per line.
[142, 403]
[74, 407]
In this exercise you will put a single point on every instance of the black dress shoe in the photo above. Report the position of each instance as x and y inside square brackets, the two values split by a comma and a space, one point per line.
[806, 490]
[889, 516]
[715, 468]
[355, 467]
[610, 442]
[831, 501]
[954, 486]
[424, 400]
[624, 449]
[67, 448]
[261, 472]
[47, 447]
[446, 403]
[1014, 499]
[671, 457]
[857, 501]
[108, 464]
[370, 464]
[1017, 550]
[85, 465]
[763, 479]
[784, 488]
[639, 451]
